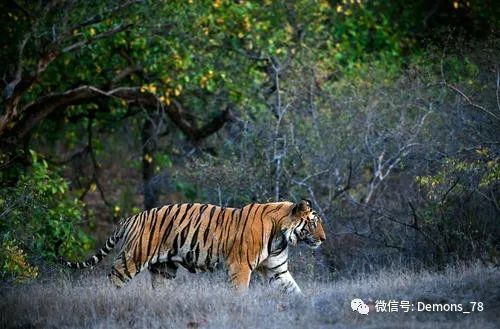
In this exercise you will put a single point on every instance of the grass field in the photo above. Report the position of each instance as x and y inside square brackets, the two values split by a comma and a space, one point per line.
[207, 301]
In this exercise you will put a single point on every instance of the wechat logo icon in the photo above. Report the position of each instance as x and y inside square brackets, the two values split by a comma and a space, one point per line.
[358, 305]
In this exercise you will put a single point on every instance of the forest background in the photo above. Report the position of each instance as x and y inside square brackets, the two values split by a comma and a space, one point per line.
[385, 114]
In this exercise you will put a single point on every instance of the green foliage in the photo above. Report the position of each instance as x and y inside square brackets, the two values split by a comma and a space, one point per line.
[163, 160]
[14, 263]
[478, 171]
[460, 200]
[186, 189]
[37, 214]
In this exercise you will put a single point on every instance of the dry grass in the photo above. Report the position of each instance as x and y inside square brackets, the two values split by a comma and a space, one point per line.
[206, 301]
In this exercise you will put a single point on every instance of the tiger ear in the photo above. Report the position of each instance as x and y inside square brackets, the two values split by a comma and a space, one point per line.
[302, 206]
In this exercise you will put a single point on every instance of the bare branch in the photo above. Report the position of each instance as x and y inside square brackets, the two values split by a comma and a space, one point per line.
[125, 73]
[346, 186]
[26, 13]
[311, 194]
[95, 165]
[469, 101]
[175, 113]
[382, 168]
[498, 89]
[99, 36]
[11, 86]
[36, 111]
[84, 150]
[445, 195]
[100, 17]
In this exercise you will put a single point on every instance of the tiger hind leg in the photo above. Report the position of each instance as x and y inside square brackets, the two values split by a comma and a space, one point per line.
[161, 271]
[123, 270]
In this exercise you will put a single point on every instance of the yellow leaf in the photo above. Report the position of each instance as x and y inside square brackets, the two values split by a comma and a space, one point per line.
[151, 88]
[246, 24]
[177, 90]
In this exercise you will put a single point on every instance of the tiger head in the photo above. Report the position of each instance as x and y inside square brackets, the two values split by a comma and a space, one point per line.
[305, 225]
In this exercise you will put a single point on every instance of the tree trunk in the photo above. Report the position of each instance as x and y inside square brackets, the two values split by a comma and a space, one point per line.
[149, 145]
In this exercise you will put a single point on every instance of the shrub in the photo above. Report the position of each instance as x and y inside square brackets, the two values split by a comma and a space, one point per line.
[14, 263]
[37, 214]
[460, 205]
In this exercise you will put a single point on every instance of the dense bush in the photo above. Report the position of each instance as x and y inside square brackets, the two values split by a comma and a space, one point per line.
[36, 215]
[460, 207]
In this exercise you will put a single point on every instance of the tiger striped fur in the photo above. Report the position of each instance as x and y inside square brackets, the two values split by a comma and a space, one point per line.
[199, 236]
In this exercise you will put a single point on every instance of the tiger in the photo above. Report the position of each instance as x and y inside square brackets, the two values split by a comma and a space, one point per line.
[198, 237]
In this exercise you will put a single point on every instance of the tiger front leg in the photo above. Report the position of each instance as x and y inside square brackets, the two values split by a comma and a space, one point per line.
[240, 276]
[279, 277]
[286, 283]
